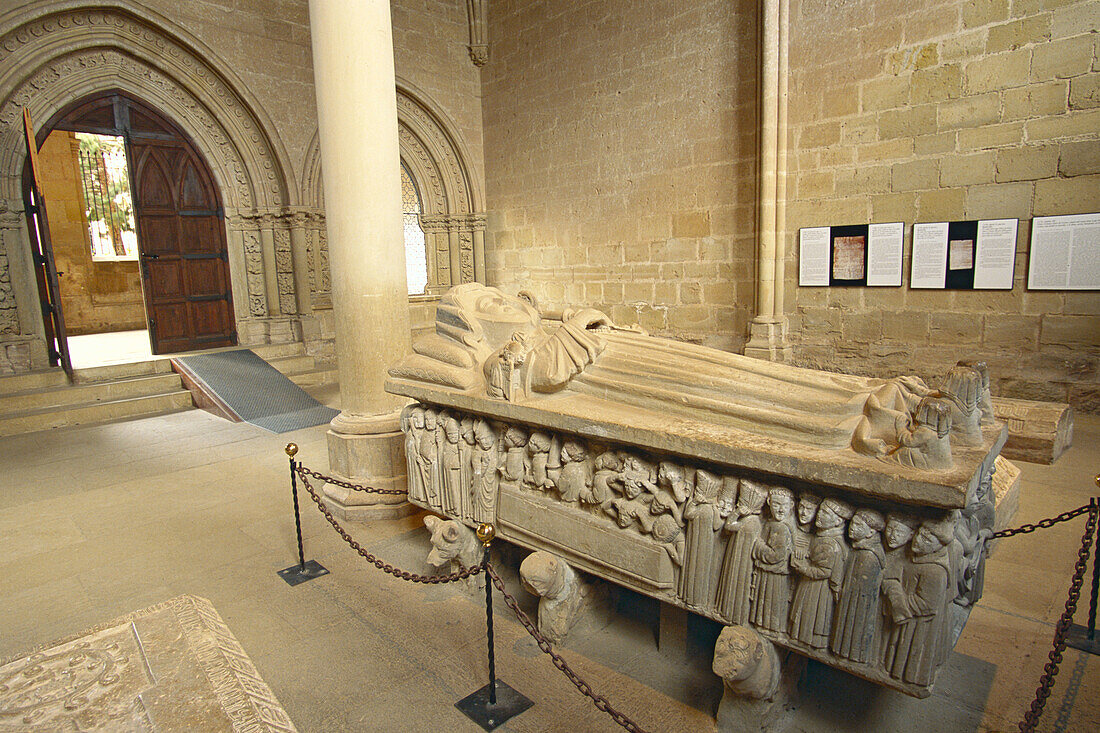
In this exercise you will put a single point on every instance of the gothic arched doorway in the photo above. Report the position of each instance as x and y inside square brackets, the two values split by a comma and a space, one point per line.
[179, 220]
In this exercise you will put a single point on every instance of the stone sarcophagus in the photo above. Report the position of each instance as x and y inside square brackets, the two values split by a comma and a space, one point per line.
[841, 517]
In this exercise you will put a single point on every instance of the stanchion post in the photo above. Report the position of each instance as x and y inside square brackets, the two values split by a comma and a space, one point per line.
[485, 533]
[303, 571]
[482, 706]
[1095, 570]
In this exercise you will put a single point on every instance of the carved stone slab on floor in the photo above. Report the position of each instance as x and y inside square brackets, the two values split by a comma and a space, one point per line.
[172, 666]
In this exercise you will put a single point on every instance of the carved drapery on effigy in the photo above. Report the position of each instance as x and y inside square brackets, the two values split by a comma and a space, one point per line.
[676, 470]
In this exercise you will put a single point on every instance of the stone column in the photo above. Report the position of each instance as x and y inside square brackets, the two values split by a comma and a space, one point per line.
[354, 76]
[768, 330]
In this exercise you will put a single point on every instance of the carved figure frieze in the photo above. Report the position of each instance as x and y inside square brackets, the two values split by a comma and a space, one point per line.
[823, 575]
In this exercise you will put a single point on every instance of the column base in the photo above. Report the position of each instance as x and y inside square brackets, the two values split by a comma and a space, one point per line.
[768, 340]
[373, 455]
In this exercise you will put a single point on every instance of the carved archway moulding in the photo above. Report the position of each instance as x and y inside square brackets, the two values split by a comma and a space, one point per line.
[52, 53]
[430, 147]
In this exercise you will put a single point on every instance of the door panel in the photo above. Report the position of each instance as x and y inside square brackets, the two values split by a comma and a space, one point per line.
[210, 318]
[198, 235]
[205, 278]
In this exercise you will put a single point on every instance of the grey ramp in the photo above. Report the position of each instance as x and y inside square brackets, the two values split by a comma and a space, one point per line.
[256, 391]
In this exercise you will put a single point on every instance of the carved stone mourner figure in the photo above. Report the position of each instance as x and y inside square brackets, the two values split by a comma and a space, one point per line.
[804, 528]
[701, 546]
[576, 472]
[412, 422]
[485, 474]
[857, 610]
[821, 575]
[428, 454]
[466, 463]
[454, 491]
[917, 603]
[735, 584]
[538, 452]
[973, 530]
[673, 477]
[897, 535]
[772, 556]
[607, 481]
[513, 467]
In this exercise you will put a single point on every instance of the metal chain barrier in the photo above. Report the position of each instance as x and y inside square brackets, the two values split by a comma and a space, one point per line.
[1050, 670]
[303, 472]
[599, 701]
[1042, 523]
[385, 567]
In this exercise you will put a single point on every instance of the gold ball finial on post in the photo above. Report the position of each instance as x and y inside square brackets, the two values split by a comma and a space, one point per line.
[1097, 480]
[292, 449]
[485, 533]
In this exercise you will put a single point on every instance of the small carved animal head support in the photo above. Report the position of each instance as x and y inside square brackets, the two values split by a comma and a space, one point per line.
[447, 540]
[832, 513]
[752, 497]
[807, 508]
[866, 523]
[738, 653]
[780, 502]
[899, 529]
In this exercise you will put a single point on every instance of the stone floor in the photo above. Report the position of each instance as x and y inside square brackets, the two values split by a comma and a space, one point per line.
[96, 522]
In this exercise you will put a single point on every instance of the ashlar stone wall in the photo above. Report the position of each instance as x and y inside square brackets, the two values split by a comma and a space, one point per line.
[620, 144]
[945, 110]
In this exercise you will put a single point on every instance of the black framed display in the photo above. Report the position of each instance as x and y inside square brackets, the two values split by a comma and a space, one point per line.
[857, 255]
[964, 255]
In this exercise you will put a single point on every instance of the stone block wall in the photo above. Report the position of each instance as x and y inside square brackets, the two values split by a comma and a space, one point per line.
[620, 144]
[945, 110]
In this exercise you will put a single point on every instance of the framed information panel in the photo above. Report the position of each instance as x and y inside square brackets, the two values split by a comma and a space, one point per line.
[854, 256]
[964, 255]
[1065, 253]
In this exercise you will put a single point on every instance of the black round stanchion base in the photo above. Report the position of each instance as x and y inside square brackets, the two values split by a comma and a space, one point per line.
[296, 574]
[478, 708]
[1078, 638]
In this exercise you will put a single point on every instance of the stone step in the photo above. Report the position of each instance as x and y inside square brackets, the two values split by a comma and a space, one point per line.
[129, 370]
[268, 352]
[32, 380]
[84, 414]
[289, 365]
[81, 394]
[315, 378]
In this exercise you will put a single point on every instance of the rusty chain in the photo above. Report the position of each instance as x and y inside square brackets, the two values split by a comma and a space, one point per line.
[375, 561]
[1050, 670]
[599, 701]
[1042, 523]
[303, 472]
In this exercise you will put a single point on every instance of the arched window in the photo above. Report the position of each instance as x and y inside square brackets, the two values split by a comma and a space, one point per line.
[416, 260]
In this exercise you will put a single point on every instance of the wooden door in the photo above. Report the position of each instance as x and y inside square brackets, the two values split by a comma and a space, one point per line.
[180, 225]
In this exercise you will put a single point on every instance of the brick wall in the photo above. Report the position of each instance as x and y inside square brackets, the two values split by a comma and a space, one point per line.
[944, 110]
[620, 144]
